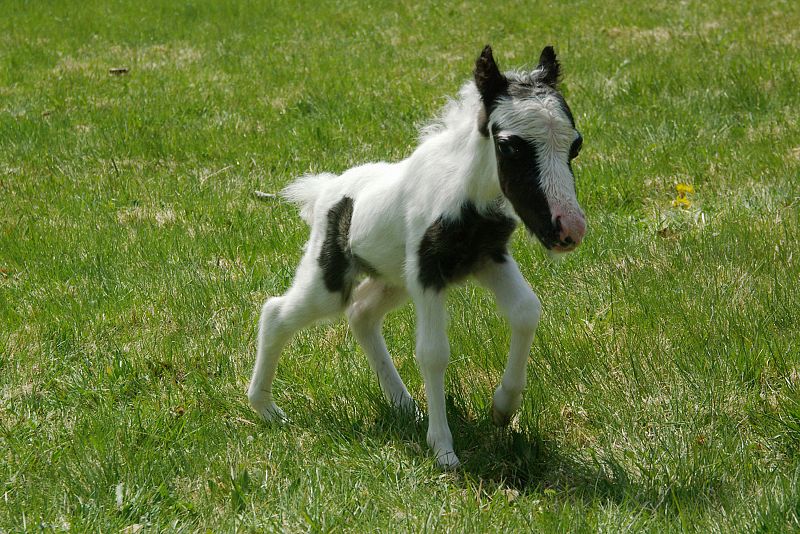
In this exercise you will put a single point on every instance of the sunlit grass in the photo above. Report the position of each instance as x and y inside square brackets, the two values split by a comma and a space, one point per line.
[664, 391]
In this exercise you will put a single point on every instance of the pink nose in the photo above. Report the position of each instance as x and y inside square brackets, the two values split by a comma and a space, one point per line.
[571, 229]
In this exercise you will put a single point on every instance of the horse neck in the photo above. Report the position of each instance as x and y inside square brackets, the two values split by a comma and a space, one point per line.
[477, 166]
[469, 156]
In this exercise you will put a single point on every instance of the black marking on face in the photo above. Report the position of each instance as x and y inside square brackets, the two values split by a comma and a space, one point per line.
[336, 259]
[518, 170]
[452, 249]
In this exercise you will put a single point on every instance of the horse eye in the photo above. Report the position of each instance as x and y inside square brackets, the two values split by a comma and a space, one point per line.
[575, 149]
[506, 146]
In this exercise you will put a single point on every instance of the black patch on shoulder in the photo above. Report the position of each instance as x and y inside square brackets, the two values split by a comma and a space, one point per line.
[452, 249]
[336, 258]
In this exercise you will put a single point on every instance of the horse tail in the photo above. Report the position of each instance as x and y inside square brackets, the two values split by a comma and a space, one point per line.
[304, 192]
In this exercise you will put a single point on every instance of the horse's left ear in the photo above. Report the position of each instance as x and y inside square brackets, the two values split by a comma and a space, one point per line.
[549, 67]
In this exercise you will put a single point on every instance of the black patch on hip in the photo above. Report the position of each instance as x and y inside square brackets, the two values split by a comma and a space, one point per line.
[336, 259]
[452, 249]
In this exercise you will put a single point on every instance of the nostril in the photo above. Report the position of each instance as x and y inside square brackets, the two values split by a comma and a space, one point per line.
[569, 228]
[557, 223]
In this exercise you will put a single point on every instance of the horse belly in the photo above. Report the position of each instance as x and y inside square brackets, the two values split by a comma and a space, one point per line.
[377, 239]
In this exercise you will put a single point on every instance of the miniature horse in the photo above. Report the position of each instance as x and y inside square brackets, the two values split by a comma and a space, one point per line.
[499, 154]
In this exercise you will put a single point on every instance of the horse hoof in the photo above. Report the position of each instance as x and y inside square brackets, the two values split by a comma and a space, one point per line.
[270, 413]
[448, 461]
[499, 418]
[408, 407]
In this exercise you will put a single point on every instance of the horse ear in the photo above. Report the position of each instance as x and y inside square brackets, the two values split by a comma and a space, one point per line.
[491, 83]
[549, 67]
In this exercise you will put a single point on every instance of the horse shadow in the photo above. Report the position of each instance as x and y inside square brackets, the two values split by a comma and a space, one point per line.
[526, 461]
[530, 462]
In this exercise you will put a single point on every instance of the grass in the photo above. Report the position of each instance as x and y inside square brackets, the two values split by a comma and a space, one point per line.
[664, 392]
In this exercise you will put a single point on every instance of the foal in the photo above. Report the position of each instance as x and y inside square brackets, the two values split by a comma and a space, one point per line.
[499, 154]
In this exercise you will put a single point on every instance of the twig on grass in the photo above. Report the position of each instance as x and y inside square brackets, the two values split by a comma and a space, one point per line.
[261, 195]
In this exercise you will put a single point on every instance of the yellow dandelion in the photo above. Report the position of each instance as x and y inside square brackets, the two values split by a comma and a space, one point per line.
[682, 199]
[681, 202]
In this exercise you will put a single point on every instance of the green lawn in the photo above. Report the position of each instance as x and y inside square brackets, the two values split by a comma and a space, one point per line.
[664, 392]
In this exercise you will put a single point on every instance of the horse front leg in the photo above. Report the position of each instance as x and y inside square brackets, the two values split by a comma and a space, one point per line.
[433, 356]
[522, 308]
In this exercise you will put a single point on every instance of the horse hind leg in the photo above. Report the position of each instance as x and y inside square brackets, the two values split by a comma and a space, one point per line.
[372, 300]
[321, 287]
[273, 334]
[307, 301]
